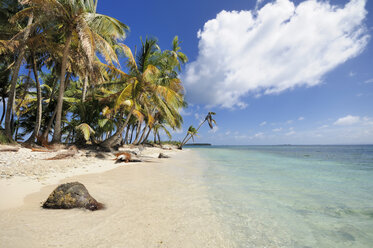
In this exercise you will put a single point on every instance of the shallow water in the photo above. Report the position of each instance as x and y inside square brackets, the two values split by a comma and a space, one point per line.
[292, 196]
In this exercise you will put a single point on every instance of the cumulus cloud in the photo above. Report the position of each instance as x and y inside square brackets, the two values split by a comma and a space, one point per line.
[278, 47]
[301, 118]
[263, 123]
[347, 120]
[277, 129]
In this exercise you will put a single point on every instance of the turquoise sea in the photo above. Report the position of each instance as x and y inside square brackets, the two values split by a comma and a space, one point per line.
[292, 196]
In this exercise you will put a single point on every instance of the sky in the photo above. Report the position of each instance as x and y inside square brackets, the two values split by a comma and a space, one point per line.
[275, 72]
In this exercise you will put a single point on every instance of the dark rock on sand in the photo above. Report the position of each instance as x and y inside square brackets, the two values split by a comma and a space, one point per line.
[162, 155]
[72, 195]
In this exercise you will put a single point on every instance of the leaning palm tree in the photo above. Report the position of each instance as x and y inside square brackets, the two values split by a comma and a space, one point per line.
[210, 122]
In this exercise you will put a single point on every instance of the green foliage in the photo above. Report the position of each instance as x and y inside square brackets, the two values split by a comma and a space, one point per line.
[86, 130]
[147, 93]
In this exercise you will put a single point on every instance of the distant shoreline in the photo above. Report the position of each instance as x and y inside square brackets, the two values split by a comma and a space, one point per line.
[198, 144]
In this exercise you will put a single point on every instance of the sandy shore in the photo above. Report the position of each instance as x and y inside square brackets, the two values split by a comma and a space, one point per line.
[163, 203]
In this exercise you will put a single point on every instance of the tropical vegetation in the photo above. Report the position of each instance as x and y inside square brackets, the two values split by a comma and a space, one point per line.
[62, 80]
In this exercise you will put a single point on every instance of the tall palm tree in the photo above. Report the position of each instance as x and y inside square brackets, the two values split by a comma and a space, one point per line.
[80, 27]
[13, 82]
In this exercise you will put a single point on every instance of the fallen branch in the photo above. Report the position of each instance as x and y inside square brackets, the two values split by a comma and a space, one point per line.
[9, 149]
[62, 155]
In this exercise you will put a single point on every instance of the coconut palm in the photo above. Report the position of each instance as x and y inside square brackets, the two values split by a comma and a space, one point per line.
[82, 28]
[193, 131]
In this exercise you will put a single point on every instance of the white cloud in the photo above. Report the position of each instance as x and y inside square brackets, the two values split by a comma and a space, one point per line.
[351, 74]
[214, 129]
[263, 123]
[347, 120]
[290, 133]
[177, 131]
[183, 112]
[227, 132]
[279, 47]
[324, 126]
[368, 81]
[289, 122]
[301, 118]
[277, 129]
[259, 135]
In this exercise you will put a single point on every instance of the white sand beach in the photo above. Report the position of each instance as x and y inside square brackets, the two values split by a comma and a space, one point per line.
[161, 203]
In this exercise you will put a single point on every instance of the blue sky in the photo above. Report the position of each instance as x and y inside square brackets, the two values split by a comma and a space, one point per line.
[308, 80]
[275, 72]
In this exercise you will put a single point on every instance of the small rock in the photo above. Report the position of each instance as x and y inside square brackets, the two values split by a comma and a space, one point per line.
[162, 155]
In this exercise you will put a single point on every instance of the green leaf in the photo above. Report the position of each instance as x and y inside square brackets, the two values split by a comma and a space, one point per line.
[86, 130]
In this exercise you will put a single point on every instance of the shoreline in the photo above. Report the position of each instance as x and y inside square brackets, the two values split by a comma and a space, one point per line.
[163, 203]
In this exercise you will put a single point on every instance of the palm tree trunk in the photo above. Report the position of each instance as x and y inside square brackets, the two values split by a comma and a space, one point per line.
[133, 129]
[25, 92]
[57, 124]
[137, 133]
[147, 135]
[13, 82]
[39, 99]
[115, 139]
[159, 139]
[4, 110]
[142, 135]
[126, 136]
[84, 90]
[183, 143]
[49, 126]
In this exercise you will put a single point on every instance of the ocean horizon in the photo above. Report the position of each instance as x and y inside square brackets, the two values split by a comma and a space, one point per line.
[292, 195]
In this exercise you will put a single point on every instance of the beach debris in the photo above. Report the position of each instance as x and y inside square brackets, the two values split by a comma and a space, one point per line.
[72, 195]
[122, 157]
[9, 149]
[126, 157]
[63, 155]
[162, 155]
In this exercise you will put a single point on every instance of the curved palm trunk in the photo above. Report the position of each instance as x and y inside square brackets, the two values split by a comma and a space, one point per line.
[144, 131]
[4, 110]
[126, 136]
[13, 82]
[39, 99]
[186, 141]
[137, 133]
[133, 129]
[115, 139]
[49, 126]
[147, 135]
[57, 125]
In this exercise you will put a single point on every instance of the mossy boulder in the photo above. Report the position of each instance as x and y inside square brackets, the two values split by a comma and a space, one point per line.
[72, 195]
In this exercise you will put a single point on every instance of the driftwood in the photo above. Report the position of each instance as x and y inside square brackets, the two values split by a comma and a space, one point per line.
[122, 157]
[62, 155]
[15, 149]
[41, 150]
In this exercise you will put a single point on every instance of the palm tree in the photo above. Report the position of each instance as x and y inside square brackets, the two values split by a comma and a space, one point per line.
[13, 82]
[193, 131]
[140, 85]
